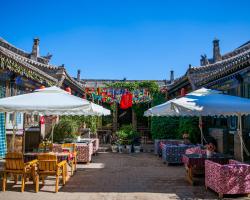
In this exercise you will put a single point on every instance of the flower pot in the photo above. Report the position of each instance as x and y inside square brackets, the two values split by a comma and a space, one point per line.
[209, 153]
[137, 149]
[114, 148]
[128, 148]
[120, 148]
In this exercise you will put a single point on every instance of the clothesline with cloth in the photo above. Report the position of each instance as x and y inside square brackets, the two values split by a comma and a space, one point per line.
[111, 95]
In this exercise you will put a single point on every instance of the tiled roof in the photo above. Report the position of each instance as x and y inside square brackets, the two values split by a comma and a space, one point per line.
[207, 73]
[41, 67]
[7, 45]
[231, 62]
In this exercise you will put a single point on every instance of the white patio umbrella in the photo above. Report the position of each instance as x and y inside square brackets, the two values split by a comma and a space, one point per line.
[205, 102]
[50, 101]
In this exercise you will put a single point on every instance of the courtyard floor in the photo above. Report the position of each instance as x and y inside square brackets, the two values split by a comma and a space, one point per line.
[118, 176]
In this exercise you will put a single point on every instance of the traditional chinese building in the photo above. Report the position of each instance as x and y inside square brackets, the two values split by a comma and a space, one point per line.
[23, 72]
[230, 73]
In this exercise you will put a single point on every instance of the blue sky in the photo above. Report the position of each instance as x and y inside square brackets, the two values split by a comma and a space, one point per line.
[136, 39]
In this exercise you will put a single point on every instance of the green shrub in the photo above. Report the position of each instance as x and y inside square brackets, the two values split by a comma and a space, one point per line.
[66, 128]
[126, 134]
[164, 127]
[189, 125]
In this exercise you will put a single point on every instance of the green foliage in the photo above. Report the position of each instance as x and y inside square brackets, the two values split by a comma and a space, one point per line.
[152, 86]
[66, 128]
[139, 109]
[189, 125]
[173, 127]
[126, 134]
[163, 127]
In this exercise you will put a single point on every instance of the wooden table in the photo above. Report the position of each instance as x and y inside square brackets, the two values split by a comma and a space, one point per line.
[195, 163]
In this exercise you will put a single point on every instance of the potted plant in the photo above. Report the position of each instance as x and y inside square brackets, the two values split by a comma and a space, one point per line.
[122, 140]
[114, 148]
[136, 143]
[125, 135]
[128, 147]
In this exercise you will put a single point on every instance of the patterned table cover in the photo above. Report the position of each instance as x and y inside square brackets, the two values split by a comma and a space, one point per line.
[198, 160]
[33, 155]
[173, 153]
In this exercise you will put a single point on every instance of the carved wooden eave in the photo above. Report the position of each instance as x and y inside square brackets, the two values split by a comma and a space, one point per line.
[15, 63]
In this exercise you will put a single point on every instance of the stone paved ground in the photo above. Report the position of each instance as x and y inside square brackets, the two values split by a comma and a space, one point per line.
[118, 177]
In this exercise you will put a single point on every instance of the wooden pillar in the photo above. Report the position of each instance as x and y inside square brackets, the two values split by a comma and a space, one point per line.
[115, 114]
[134, 120]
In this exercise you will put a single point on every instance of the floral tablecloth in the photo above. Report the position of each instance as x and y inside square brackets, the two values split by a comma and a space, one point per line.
[198, 160]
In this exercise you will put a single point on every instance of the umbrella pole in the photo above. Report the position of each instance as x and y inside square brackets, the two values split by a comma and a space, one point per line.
[200, 126]
[24, 133]
[14, 132]
[52, 132]
[240, 136]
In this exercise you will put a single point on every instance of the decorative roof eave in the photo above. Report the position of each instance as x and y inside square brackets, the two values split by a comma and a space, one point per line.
[11, 63]
[227, 62]
[230, 72]
[222, 70]
[24, 55]
[75, 83]
[179, 83]
[227, 77]
[238, 50]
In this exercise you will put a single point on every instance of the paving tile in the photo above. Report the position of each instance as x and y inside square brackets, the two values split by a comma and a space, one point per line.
[114, 176]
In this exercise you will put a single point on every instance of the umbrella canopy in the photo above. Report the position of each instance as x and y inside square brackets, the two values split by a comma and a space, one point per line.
[202, 102]
[51, 101]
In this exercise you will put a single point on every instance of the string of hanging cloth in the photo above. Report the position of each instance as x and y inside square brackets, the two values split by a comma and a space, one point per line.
[111, 95]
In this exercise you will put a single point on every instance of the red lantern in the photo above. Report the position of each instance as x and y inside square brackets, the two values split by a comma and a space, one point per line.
[68, 89]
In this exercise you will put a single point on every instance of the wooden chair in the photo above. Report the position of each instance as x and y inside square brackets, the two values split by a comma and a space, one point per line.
[71, 147]
[14, 164]
[48, 166]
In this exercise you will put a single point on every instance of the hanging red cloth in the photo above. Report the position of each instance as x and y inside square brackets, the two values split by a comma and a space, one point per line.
[42, 120]
[126, 101]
